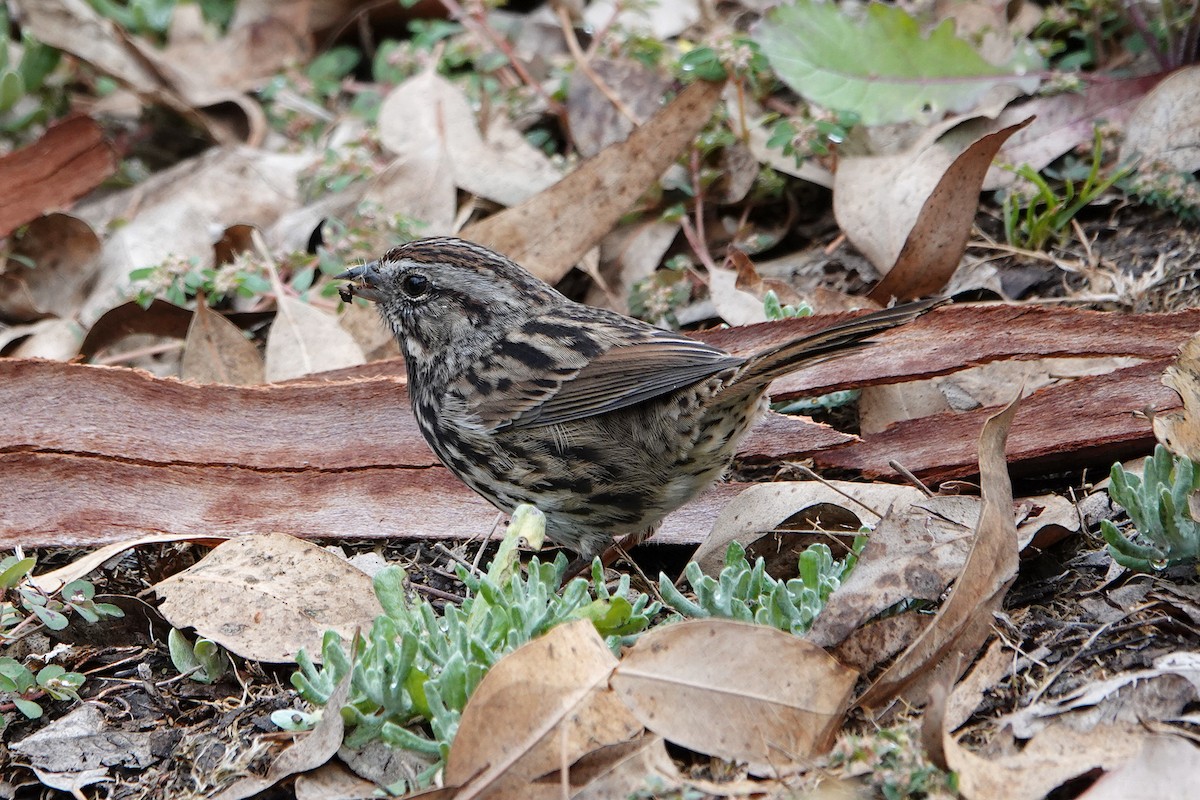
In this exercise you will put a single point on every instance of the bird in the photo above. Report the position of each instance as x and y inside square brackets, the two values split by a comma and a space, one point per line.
[604, 422]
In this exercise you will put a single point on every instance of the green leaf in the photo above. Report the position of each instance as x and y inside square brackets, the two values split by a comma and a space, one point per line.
[182, 655]
[12, 570]
[12, 89]
[881, 67]
[292, 719]
[50, 618]
[27, 707]
[38, 62]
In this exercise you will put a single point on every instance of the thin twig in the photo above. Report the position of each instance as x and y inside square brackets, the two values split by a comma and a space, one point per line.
[805, 470]
[581, 62]
[908, 476]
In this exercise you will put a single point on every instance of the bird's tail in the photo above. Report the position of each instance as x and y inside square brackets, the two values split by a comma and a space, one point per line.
[834, 341]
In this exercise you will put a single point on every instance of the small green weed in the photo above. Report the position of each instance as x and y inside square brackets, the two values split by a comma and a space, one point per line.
[1032, 219]
[23, 608]
[204, 661]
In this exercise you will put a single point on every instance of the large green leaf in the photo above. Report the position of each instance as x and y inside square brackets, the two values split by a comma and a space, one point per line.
[881, 67]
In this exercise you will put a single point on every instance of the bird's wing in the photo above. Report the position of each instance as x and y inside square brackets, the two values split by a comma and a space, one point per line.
[622, 375]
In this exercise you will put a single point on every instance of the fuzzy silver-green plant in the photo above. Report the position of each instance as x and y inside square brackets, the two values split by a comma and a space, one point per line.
[413, 672]
[747, 593]
[1157, 503]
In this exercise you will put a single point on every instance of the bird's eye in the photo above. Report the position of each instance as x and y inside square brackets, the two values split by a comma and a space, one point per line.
[414, 285]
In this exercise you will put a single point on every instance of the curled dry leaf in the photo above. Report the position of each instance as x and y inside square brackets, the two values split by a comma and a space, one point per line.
[1165, 768]
[51, 582]
[216, 351]
[428, 119]
[1119, 694]
[64, 248]
[549, 233]
[304, 340]
[55, 339]
[1165, 125]
[963, 622]
[1061, 123]
[736, 691]
[553, 700]
[1179, 431]
[1045, 762]
[596, 121]
[930, 206]
[763, 508]
[624, 769]
[915, 552]
[310, 752]
[912, 211]
[266, 596]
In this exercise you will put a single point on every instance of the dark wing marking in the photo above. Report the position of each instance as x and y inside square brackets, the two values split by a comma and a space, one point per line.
[627, 375]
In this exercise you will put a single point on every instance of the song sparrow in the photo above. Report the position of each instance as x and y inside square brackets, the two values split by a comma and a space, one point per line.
[603, 422]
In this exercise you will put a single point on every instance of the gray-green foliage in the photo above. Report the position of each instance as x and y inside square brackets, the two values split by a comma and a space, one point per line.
[749, 594]
[420, 665]
[1157, 503]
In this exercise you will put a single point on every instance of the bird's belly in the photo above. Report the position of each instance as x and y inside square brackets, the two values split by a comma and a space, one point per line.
[599, 477]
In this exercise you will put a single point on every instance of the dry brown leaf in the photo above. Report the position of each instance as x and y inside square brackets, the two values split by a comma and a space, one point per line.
[622, 770]
[915, 552]
[549, 233]
[316, 748]
[173, 213]
[734, 304]
[216, 351]
[51, 582]
[69, 160]
[64, 248]
[1164, 126]
[595, 121]
[129, 319]
[1127, 697]
[333, 781]
[304, 340]
[75, 27]
[1048, 760]
[931, 204]
[1164, 769]
[1063, 122]
[56, 339]
[422, 183]
[264, 597]
[964, 620]
[1179, 431]
[12, 338]
[552, 698]
[765, 507]
[736, 691]
[629, 254]
[428, 120]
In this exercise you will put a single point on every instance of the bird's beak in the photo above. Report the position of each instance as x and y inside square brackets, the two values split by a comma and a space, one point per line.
[366, 283]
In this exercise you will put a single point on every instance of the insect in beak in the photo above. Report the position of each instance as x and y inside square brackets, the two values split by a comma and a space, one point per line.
[366, 281]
